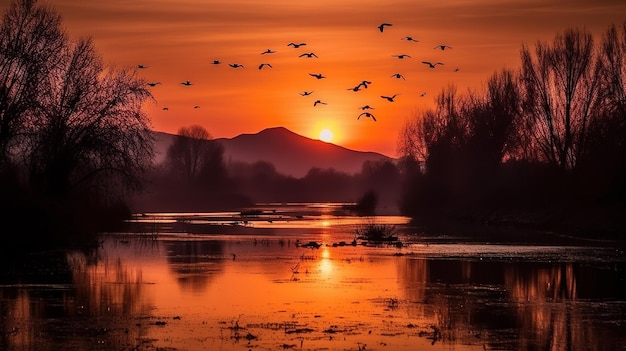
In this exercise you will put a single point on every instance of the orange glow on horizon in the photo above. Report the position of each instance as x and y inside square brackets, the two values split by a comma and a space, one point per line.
[179, 41]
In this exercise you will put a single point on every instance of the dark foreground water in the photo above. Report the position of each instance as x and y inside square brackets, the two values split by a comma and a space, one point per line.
[254, 286]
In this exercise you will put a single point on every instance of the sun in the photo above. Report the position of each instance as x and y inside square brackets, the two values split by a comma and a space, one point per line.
[326, 135]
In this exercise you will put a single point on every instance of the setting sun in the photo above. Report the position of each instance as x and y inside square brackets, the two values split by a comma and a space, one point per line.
[326, 135]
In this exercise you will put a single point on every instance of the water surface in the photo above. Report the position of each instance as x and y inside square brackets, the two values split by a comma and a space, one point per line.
[254, 286]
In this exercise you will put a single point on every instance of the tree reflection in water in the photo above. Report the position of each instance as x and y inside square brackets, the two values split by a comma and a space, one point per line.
[194, 262]
[189, 292]
[516, 305]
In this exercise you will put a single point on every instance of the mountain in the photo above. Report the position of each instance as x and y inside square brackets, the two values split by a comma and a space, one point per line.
[292, 154]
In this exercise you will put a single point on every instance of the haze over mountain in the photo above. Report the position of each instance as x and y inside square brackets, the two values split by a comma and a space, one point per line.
[292, 154]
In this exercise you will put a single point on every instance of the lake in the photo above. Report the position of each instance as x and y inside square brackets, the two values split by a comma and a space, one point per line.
[223, 281]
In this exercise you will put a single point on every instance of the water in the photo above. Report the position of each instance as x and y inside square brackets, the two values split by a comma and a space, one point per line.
[253, 286]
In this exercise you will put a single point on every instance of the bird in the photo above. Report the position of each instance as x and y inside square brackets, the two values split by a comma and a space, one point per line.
[356, 88]
[423, 94]
[268, 51]
[432, 65]
[294, 269]
[319, 102]
[296, 45]
[442, 47]
[317, 75]
[367, 114]
[409, 38]
[401, 56]
[366, 107]
[216, 62]
[154, 84]
[186, 83]
[265, 64]
[166, 109]
[142, 66]
[236, 65]
[196, 106]
[305, 93]
[456, 69]
[308, 54]
[397, 75]
[382, 26]
[365, 83]
[389, 98]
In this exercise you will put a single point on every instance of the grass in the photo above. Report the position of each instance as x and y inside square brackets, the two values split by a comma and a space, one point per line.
[377, 232]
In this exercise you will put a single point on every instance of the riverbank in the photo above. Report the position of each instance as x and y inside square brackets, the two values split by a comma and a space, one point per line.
[555, 226]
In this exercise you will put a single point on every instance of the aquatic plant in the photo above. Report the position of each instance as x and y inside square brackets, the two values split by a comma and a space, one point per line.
[377, 232]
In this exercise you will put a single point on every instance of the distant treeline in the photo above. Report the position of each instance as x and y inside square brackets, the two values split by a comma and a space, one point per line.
[546, 140]
[195, 177]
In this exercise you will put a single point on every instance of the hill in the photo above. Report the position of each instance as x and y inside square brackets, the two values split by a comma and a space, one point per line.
[292, 154]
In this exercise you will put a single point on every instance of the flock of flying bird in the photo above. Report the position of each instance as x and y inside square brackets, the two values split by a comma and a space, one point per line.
[363, 84]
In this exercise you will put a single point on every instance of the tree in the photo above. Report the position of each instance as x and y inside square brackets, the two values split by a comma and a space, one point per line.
[604, 160]
[70, 126]
[31, 39]
[195, 157]
[88, 130]
[560, 87]
[492, 120]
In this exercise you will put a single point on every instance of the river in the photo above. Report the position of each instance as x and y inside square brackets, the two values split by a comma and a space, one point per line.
[220, 281]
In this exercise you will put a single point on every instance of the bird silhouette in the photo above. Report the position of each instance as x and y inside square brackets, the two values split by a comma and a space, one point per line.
[456, 69]
[317, 75]
[356, 88]
[319, 102]
[442, 47]
[154, 84]
[142, 66]
[187, 83]
[423, 94]
[306, 93]
[397, 75]
[166, 109]
[296, 45]
[367, 114]
[236, 65]
[366, 107]
[409, 38]
[389, 98]
[196, 106]
[268, 51]
[401, 56]
[294, 269]
[265, 64]
[216, 62]
[432, 65]
[364, 83]
[308, 54]
[382, 26]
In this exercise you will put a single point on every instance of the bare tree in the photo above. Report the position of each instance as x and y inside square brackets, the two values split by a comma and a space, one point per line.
[492, 118]
[194, 154]
[88, 130]
[31, 39]
[613, 69]
[560, 93]
[428, 129]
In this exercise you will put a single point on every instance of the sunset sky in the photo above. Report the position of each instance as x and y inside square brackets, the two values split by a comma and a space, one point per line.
[178, 40]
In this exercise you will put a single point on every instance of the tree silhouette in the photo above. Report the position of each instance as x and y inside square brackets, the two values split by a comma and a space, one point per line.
[560, 87]
[31, 39]
[194, 156]
[73, 137]
[88, 130]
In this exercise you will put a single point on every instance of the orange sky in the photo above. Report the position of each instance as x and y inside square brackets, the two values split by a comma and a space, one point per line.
[179, 39]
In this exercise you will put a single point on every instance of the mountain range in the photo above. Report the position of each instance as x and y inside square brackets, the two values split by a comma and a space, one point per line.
[292, 154]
